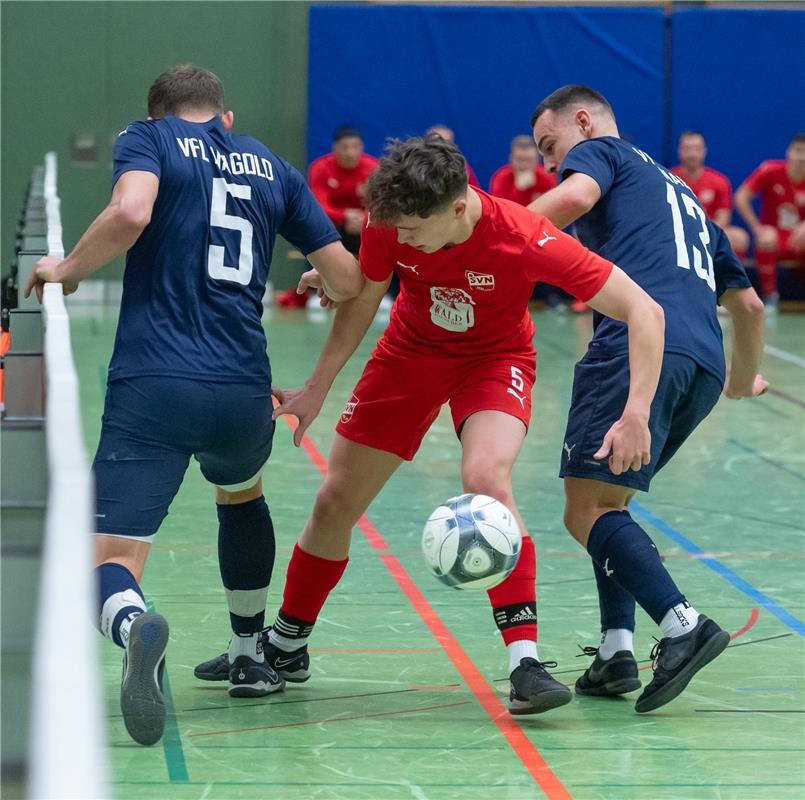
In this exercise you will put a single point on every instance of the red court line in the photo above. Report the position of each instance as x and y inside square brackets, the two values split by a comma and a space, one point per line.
[331, 719]
[484, 693]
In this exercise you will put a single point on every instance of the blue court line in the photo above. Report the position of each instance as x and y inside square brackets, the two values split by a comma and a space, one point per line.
[747, 449]
[720, 569]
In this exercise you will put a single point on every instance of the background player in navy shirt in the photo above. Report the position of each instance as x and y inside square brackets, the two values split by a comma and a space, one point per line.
[634, 212]
[198, 209]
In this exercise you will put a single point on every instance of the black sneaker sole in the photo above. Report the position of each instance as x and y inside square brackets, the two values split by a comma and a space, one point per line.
[611, 688]
[713, 647]
[544, 701]
[141, 699]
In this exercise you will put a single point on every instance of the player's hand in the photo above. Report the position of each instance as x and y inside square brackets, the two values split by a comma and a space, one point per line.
[766, 237]
[312, 280]
[353, 220]
[48, 270]
[304, 404]
[797, 240]
[627, 444]
[759, 386]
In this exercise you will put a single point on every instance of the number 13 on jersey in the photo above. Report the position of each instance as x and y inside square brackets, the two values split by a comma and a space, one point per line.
[703, 267]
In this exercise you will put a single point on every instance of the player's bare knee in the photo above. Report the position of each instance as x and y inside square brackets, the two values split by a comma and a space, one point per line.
[578, 524]
[335, 506]
[738, 239]
[493, 480]
[770, 245]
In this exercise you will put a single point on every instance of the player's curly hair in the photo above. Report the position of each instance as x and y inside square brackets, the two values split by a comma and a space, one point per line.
[416, 177]
[185, 87]
[570, 95]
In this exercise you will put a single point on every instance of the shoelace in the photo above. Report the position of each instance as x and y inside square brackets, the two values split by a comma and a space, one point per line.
[656, 651]
[587, 651]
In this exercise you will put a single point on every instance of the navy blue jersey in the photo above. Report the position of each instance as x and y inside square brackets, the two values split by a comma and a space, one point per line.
[650, 224]
[195, 278]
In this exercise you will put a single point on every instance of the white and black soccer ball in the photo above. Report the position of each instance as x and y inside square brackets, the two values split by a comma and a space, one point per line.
[471, 542]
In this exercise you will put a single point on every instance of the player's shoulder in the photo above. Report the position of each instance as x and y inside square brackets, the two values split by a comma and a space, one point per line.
[368, 161]
[140, 127]
[322, 162]
[715, 176]
[507, 219]
[771, 166]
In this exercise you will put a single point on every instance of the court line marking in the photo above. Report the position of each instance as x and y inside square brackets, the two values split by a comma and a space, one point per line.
[326, 720]
[784, 355]
[751, 450]
[784, 396]
[484, 693]
[797, 625]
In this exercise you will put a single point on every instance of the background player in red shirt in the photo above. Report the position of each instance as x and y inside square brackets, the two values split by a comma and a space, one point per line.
[523, 179]
[449, 135]
[338, 181]
[460, 332]
[712, 188]
[780, 231]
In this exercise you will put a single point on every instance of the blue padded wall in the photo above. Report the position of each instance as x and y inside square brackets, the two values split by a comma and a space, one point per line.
[393, 71]
[738, 76]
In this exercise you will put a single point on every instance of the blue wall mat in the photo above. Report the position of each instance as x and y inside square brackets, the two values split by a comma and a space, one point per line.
[393, 71]
[739, 77]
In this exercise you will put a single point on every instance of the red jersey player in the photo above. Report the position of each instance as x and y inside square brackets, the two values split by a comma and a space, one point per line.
[460, 333]
[780, 231]
[338, 182]
[523, 179]
[712, 188]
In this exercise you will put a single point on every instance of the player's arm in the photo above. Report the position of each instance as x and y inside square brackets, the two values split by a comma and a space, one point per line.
[111, 234]
[571, 199]
[628, 442]
[743, 202]
[351, 321]
[339, 271]
[317, 178]
[722, 217]
[747, 313]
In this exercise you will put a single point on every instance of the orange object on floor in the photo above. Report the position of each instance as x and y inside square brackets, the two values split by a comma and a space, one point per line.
[5, 343]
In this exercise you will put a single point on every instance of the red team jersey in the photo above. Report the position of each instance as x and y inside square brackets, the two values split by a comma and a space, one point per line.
[460, 331]
[502, 185]
[782, 200]
[336, 188]
[712, 189]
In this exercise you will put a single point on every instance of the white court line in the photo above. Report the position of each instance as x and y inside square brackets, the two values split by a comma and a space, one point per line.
[784, 355]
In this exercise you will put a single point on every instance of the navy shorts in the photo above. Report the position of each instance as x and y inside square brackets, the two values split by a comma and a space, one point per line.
[151, 427]
[685, 396]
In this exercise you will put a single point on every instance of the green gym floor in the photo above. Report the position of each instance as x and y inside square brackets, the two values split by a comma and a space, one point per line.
[409, 677]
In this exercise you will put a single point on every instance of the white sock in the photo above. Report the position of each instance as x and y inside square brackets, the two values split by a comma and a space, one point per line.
[680, 619]
[522, 648]
[249, 644]
[285, 643]
[125, 626]
[614, 640]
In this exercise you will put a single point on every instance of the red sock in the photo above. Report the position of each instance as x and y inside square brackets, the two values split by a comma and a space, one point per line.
[308, 582]
[514, 602]
[767, 271]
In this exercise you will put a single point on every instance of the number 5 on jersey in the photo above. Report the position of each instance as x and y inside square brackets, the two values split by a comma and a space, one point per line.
[241, 274]
[518, 386]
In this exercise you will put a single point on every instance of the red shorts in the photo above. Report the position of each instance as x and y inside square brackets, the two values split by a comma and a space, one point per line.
[400, 394]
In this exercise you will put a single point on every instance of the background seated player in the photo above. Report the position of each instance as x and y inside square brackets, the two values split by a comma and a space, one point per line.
[338, 182]
[459, 336]
[449, 135]
[712, 188]
[523, 179]
[780, 232]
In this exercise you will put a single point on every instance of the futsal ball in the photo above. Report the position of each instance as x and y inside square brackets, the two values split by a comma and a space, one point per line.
[471, 542]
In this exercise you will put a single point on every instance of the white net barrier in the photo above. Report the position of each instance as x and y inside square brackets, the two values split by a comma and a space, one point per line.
[67, 758]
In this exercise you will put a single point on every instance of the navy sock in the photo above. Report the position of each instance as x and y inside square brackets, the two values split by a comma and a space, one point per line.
[120, 600]
[625, 553]
[615, 603]
[246, 557]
